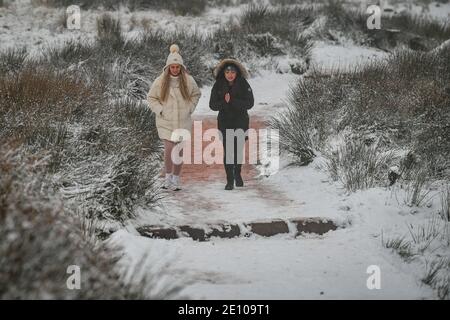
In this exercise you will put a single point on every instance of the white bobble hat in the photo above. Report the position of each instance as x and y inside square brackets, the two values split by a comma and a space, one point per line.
[174, 57]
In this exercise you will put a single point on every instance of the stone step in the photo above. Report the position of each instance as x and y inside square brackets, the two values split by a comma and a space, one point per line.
[223, 230]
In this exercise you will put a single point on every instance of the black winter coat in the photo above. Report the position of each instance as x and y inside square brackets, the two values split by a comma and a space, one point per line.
[232, 115]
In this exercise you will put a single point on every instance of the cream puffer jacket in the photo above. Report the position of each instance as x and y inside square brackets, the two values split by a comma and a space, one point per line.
[175, 112]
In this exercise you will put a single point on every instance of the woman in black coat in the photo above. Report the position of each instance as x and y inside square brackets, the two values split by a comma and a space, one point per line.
[232, 96]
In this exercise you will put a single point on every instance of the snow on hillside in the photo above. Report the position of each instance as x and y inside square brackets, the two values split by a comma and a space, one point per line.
[332, 57]
[37, 27]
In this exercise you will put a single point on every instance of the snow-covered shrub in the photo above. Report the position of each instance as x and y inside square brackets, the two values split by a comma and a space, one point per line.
[285, 2]
[417, 188]
[339, 16]
[122, 142]
[186, 7]
[427, 244]
[295, 136]
[229, 41]
[282, 22]
[426, 32]
[178, 7]
[150, 50]
[400, 245]
[130, 178]
[413, 180]
[127, 183]
[296, 66]
[36, 106]
[437, 276]
[445, 203]
[137, 116]
[35, 103]
[12, 59]
[417, 32]
[264, 44]
[109, 31]
[125, 79]
[341, 22]
[227, 3]
[308, 121]
[403, 100]
[39, 240]
[254, 15]
[109, 150]
[127, 71]
[98, 65]
[112, 187]
[304, 47]
[423, 235]
[357, 165]
[117, 152]
[68, 55]
[314, 102]
[52, 3]
[85, 4]
[265, 31]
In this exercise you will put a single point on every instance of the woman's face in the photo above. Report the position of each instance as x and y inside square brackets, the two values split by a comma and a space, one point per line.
[175, 69]
[230, 75]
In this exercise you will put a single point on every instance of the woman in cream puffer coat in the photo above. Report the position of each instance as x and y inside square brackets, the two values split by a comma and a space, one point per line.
[173, 97]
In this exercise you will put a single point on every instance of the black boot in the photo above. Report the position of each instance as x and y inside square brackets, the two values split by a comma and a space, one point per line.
[230, 177]
[237, 175]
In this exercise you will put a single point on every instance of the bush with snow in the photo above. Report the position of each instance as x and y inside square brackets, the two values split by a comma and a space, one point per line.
[178, 7]
[40, 239]
[358, 165]
[402, 102]
[101, 154]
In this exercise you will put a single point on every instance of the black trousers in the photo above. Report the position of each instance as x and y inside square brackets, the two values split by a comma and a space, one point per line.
[235, 154]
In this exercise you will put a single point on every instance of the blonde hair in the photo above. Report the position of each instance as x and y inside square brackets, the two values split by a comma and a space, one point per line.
[165, 87]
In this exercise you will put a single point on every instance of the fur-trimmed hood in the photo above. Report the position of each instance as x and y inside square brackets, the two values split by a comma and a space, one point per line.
[221, 65]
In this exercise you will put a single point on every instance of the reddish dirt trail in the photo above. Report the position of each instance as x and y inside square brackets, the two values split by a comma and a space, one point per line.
[202, 201]
[207, 172]
[203, 173]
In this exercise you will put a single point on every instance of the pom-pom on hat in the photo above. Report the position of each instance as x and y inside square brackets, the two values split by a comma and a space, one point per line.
[174, 57]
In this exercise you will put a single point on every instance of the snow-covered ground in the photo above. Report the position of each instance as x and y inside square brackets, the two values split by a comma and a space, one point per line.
[331, 57]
